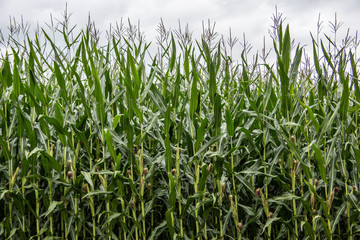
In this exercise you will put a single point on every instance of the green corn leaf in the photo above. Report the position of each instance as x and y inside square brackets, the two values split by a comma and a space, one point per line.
[109, 143]
[34, 152]
[268, 93]
[100, 107]
[311, 115]
[326, 55]
[316, 60]
[295, 65]
[204, 178]
[134, 73]
[217, 114]
[355, 78]
[172, 194]
[158, 230]
[113, 216]
[287, 197]
[149, 84]
[189, 201]
[255, 173]
[60, 80]
[326, 124]
[200, 133]
[269, 222]
[116, 121]
[96, 192]
[285, 86]
[212, 82]
[55, 123]
[87, 177]
[309, 231]
[295, 150]
[173, 54]
[322, 202]
[187, 63]
[176, 92]
[170, 224]
[158, 99]
[354, 201]
[83, 139]
[52, 208]
[7, 77]
[245, 183]
[16, 81]
[338, 216]
[245, 81]
[229, 123]
[344, 102]
[208, 144]
[286, 48]
[5, 149]
[325, 227]
[49, 162]
[248, 210]
[154, 120]
[81, 94]
[108, 85]
[194, 92]
[168, 151]
[357, 155]
[130, 139]
[86, 67]
[320, 162]
[12, 233]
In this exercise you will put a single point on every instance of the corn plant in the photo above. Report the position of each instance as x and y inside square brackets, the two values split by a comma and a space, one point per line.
[107, 140]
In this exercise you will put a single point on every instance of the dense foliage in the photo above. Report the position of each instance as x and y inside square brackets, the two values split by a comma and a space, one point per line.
[111, 142]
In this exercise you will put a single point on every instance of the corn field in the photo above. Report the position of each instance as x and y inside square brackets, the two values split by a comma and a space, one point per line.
[109, 141]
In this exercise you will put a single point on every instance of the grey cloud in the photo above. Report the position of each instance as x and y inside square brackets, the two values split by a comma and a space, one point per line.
[246, 16]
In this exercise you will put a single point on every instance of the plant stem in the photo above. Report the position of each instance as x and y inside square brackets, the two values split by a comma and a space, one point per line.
[142, 185]
[105, 178]
[346, 184]
[50, 190]
[178, 183]
[234, 191]
[73, 169]
[92, 208]
[293, 201]
[37, 209]
[196, 161]
[10, 170]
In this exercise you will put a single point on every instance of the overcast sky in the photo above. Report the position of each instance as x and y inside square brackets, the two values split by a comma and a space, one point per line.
[252, 17]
